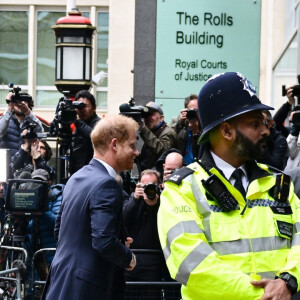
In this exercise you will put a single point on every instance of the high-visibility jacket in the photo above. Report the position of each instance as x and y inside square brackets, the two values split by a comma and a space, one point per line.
[215, 254]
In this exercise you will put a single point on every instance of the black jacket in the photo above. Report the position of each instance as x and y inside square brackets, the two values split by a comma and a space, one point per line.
[140, 221]
[280, 116]
[82, 146]
[276, 150]
[23, 160]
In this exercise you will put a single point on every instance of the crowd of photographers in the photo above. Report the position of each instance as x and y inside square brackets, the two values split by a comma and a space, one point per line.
[165, 148]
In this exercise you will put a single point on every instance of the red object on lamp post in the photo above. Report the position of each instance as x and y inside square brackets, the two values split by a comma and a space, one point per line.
[73, 53]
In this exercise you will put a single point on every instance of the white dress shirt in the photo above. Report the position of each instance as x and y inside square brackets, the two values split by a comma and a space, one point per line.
[228, 169]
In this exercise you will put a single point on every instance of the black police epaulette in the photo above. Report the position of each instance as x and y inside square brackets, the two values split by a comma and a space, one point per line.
[180, 174]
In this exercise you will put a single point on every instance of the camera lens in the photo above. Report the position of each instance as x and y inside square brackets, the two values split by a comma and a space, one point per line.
[191, 114]
[150, 190]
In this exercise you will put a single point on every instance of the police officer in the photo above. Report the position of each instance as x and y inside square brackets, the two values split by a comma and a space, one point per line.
[228, 236]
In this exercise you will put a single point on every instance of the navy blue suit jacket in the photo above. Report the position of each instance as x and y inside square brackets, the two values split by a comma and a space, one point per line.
[89, 248]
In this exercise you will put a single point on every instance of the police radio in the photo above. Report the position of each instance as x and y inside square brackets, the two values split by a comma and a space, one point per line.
[219, 192]
[280, 191]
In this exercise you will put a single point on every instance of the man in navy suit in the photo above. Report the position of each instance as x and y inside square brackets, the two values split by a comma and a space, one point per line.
[89, 251]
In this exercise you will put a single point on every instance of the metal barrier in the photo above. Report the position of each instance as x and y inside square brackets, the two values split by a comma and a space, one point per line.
[17, 268]
[169, 290]
[152, 290]
[34, 283]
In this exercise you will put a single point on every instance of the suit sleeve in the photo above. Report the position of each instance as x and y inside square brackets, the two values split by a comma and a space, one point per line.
[106, 214]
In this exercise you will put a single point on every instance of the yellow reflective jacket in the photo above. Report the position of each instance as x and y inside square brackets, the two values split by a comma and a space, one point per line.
[215, 254]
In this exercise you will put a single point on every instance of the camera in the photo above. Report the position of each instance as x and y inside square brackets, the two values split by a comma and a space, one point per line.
[66, 113]
[137, 112]
[296, 88]
[172, 171]
[79, 105]
[295, 117]
[31, 130]
[19, 97]
[151, 190]
[191, 114]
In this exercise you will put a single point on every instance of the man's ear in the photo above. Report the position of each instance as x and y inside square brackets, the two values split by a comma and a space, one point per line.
[113, 144]
[227, 130]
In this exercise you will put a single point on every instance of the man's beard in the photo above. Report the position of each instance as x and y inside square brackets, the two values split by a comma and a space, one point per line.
[19, 114]
[246, 149]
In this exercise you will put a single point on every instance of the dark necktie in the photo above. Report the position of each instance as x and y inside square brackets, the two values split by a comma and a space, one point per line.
[237, 175]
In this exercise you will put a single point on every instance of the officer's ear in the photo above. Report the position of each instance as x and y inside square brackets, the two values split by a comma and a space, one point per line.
[227, 131]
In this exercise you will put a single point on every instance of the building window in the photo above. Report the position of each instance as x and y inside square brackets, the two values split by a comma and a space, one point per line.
[102, 55]
[13, 50]
[46, 92]
[285, 68]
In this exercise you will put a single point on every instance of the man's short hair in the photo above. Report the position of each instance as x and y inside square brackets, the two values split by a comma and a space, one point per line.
[87, 95]
[117, 126]
[151, 172]
[188, 99]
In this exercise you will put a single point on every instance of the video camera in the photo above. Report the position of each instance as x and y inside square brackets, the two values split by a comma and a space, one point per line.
[136, 112]
[19, 97]
[66, 113]
[31, 134]
[296, 88]
[151, 190]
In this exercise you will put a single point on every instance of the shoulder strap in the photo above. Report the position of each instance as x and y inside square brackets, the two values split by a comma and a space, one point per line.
[180, 174]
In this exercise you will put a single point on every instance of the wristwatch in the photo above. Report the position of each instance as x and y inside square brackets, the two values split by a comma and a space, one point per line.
[290, 281]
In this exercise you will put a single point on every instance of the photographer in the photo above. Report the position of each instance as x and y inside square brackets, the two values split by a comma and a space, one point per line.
[157, 136]
[86, 121]
[33, 154]
[293, 141]
[188, 128]
[140, 216]
[173, 162]
[283, 112]
[18, 110]
[276, 149]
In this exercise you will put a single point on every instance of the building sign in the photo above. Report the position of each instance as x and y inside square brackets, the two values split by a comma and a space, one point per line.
[196, 39]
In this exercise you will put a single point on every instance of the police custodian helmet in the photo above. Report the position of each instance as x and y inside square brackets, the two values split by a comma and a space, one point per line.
[225, 96]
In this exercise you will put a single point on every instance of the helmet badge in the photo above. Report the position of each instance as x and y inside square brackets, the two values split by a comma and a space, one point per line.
[248, 86]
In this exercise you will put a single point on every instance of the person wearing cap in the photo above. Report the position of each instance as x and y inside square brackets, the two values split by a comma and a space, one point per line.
[228, 226]
[16, 115]
[157, 136]
[40, 229]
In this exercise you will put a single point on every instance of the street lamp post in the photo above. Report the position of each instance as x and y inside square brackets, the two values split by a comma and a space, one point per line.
[73, 73]
[73, 53]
